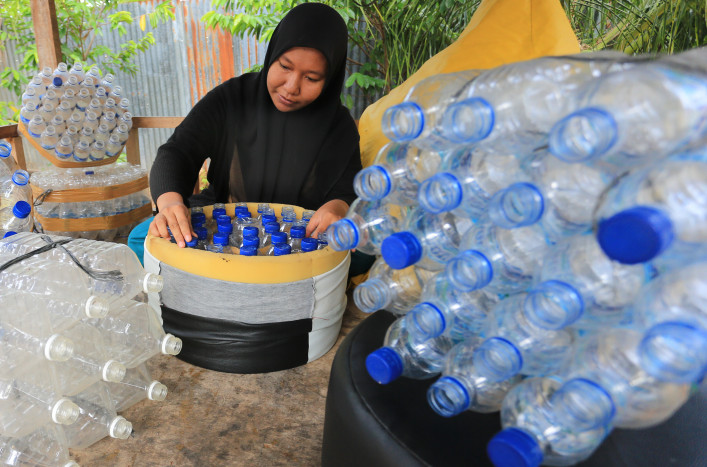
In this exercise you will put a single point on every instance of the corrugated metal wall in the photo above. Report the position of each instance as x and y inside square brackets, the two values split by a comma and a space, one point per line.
[186, 61]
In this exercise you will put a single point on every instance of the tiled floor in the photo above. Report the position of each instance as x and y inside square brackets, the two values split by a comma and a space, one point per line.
[220, 419]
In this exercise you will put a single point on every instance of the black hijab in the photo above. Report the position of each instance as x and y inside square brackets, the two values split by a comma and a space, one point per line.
[296, 157]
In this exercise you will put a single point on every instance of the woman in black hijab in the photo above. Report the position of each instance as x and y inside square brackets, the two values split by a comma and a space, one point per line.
[280, 135]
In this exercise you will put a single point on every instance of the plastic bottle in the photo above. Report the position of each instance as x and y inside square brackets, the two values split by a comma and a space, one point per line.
[466, 181]
[281, 249]
[43, 447]
[16, 218]
[100, 256]
[322, 240]
[46, 76]
[122, 132]
[83, 99]
[136, 386]
[108, 119]
[499, 260]
[133, 334]
[445, 308]
[309, 244]
[27, 113]
[36, 126]
[396, 290]
[30, 97]
[658, 213]
[474, 377]
[542, 351]
[630, 118]
[7, 162]
[60, 75]
[577, 281]
[50, 97]
[15, 188]
[97, 151]
[406, 353]
[396, 174]
[366, 225]
[46, 111]
[269, 230]
[427, 240]
[277, 238]
[296, 236]
[672, 309]
[97, 419]
[220, 244]
[418, 116]
[77, 71]
[542, 425]
[82, 151]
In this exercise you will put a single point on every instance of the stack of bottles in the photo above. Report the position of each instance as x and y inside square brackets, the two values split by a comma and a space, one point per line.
[542, 228]
[103, 178]
[76, 114]
[266, 234]
[15, 195]
[76, 332]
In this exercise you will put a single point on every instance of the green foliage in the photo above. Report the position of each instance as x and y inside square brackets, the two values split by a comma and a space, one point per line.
[638, 26]
[80, 23]
[395, 36]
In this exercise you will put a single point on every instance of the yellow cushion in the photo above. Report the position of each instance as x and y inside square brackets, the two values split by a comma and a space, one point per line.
[500, 32]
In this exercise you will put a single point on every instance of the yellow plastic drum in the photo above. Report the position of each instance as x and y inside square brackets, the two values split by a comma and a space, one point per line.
[240, 314]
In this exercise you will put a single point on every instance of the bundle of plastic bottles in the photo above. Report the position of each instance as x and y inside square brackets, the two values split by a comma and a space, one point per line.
[15, 195]
[76, 332]
[267, 234]
[103, 177]
[543, 237]
[76, 115]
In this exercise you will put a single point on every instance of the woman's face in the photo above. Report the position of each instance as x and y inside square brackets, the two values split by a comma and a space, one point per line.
[296, 78]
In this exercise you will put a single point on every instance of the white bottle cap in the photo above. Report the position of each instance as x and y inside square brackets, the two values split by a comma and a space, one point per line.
[65, 412]
[120, 428]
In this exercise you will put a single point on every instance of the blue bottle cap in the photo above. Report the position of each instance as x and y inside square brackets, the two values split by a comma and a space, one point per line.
[401, 250]
[297, 231]
[250, 231]
[267, 218]
[242, 210]
[220, 238]
[198, 218]
[384, 365]
[225, 228]
[271, 227]
[280, 249]
[193, 242]
[223, 219]
[514, 447]
[309, 244]
[635, 235]
[201, 232]
[9, 233]
[21, 209]
[251, 240]
[57, 81]
[248, 251]
[218, 212]
[278, 237]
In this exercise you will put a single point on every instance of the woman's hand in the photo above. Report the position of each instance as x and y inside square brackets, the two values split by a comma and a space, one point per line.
[173, 213]
[326, 215]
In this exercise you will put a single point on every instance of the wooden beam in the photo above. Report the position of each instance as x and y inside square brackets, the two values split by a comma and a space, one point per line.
[18, 152]
[46, 32]
[132, 146]
[8, 131]
[156, 122]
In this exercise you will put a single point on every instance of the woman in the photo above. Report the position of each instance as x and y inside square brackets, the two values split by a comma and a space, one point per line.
[280, 135]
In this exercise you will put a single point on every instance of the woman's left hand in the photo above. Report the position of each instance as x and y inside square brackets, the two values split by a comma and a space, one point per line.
[326, 215]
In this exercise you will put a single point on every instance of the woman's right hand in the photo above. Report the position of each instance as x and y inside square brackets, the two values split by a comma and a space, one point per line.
[173, 213]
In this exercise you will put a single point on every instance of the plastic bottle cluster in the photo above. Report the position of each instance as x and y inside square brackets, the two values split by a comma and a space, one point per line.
[267, 234]
[76, 114]
[15, 195]
[75, 333]
[100, 177]
[542, 228]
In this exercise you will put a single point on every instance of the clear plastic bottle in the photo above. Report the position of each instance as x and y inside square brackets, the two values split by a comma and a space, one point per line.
[95, 106]
[107, 82]
[27, 113]
[64, 149]
[543, 425]
[122, 132]
[30, 97]
[500, 260]
[46, 76]
[46, 111]
[366, 225]
[108, 119]
[396, 290]
[83, 99]
[97, 419]
[427, 240]
[543, 351]
[296, 236]
[77, 71]
[323, 240]
[474, 377]
[220, 244]
[100, 256]
[82, 151]
[64, 110]
[127, 118]
[97, 151]
[102, 134]
[50, 97]
[60, 74]
[396, 174]
[673, 311]
[277, 238]
[267, 239]
[577, 281]
[466, 181]
[16, 218]
[136, 386]
[445, 308]
[36, 126]
[45, 446]
[15, 188]
[658, 213]
[133, 334]
[406, 353]
[123, 106]
[633, 117]
[7, 163]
